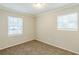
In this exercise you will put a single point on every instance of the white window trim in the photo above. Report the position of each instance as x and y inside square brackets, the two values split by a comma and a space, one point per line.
[15, 34]
[68, 29]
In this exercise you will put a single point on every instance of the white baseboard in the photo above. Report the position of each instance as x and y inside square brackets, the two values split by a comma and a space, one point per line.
[16, 44]
[57, 46]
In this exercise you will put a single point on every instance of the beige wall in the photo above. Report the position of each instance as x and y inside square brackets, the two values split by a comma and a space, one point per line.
[29, 30]
[48, 33]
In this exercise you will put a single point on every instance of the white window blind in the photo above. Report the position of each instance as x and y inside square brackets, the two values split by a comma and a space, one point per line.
[15, 25]
[68, 22]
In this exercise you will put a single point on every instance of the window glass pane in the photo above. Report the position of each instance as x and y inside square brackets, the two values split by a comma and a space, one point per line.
[68, 22]
[15, 25]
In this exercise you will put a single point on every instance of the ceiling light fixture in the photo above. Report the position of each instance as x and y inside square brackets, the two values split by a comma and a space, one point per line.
[39, 5]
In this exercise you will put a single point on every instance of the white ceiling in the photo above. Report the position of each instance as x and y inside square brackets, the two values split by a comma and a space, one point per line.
[28, 7]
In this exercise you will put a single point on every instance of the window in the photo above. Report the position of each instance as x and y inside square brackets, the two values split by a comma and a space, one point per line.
[15, 25]
[68, 22]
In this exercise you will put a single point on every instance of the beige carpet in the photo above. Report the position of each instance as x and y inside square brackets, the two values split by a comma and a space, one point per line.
[34, 48]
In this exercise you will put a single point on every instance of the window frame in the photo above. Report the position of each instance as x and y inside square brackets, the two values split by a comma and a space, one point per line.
[16, 27]
[68, 29]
